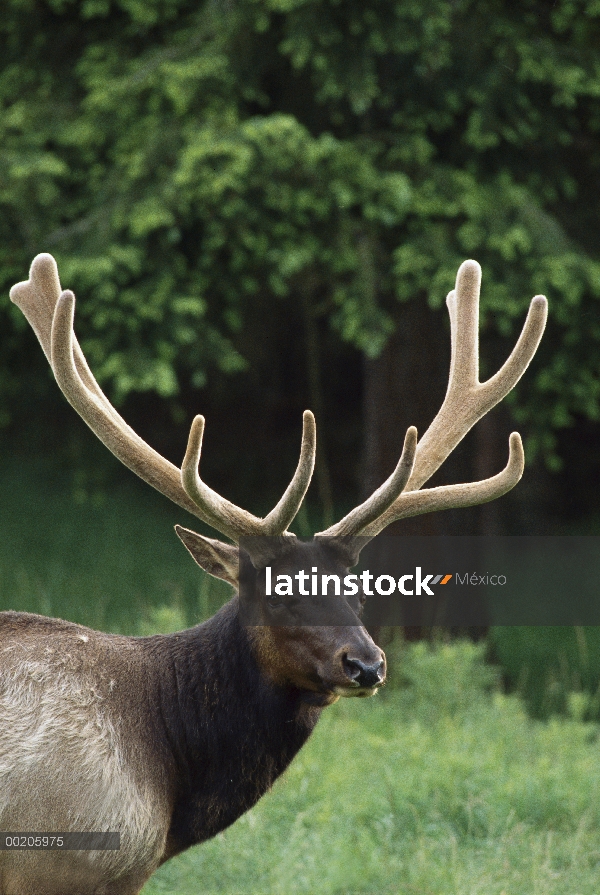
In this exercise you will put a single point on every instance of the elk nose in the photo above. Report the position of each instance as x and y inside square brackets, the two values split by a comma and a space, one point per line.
[364, 675]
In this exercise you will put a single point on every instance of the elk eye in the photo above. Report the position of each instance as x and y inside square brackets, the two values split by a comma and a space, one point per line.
[274, 600]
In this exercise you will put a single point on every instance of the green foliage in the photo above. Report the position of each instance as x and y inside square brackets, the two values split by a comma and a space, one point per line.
[185, 160]
[555, 669]
[167, 204]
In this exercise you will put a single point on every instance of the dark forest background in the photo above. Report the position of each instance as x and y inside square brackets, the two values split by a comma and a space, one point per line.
[261, 206]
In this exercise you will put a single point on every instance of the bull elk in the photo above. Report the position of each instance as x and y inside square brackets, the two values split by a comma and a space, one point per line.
[169, 739]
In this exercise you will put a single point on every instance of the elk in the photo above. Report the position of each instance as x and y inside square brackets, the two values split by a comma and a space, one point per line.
[169, 739]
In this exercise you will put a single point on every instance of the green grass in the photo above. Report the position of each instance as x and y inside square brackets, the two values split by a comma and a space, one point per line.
[108, 560]
[439, 785]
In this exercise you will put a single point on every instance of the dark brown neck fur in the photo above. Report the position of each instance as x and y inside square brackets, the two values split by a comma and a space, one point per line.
[231, 732]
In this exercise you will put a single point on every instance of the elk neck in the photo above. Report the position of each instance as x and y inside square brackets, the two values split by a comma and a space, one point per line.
[230, 730]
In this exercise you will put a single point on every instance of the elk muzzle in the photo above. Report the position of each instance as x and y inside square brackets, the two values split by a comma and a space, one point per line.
[361, 667]
[364, 675]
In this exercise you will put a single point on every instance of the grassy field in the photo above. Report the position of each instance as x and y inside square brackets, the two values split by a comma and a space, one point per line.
[441, 785]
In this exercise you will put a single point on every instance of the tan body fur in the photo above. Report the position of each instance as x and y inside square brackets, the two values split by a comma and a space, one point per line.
[70, 742]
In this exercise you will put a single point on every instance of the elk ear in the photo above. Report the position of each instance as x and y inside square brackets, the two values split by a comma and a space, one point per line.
[219, 559]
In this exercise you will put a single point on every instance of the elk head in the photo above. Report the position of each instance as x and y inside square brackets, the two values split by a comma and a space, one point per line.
[316, 645]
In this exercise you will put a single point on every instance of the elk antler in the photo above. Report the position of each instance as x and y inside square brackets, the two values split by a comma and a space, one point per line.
[466, 401]
[50, 312]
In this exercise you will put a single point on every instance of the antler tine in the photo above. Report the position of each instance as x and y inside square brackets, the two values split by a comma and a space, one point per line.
[520, 357]
[446, 497]
[282, 515]
[361, 517]
[232, 520]
[466, 401]
[463, 309]
[37, 298]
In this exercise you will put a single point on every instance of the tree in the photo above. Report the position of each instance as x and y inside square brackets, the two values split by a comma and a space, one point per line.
[330, 162]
